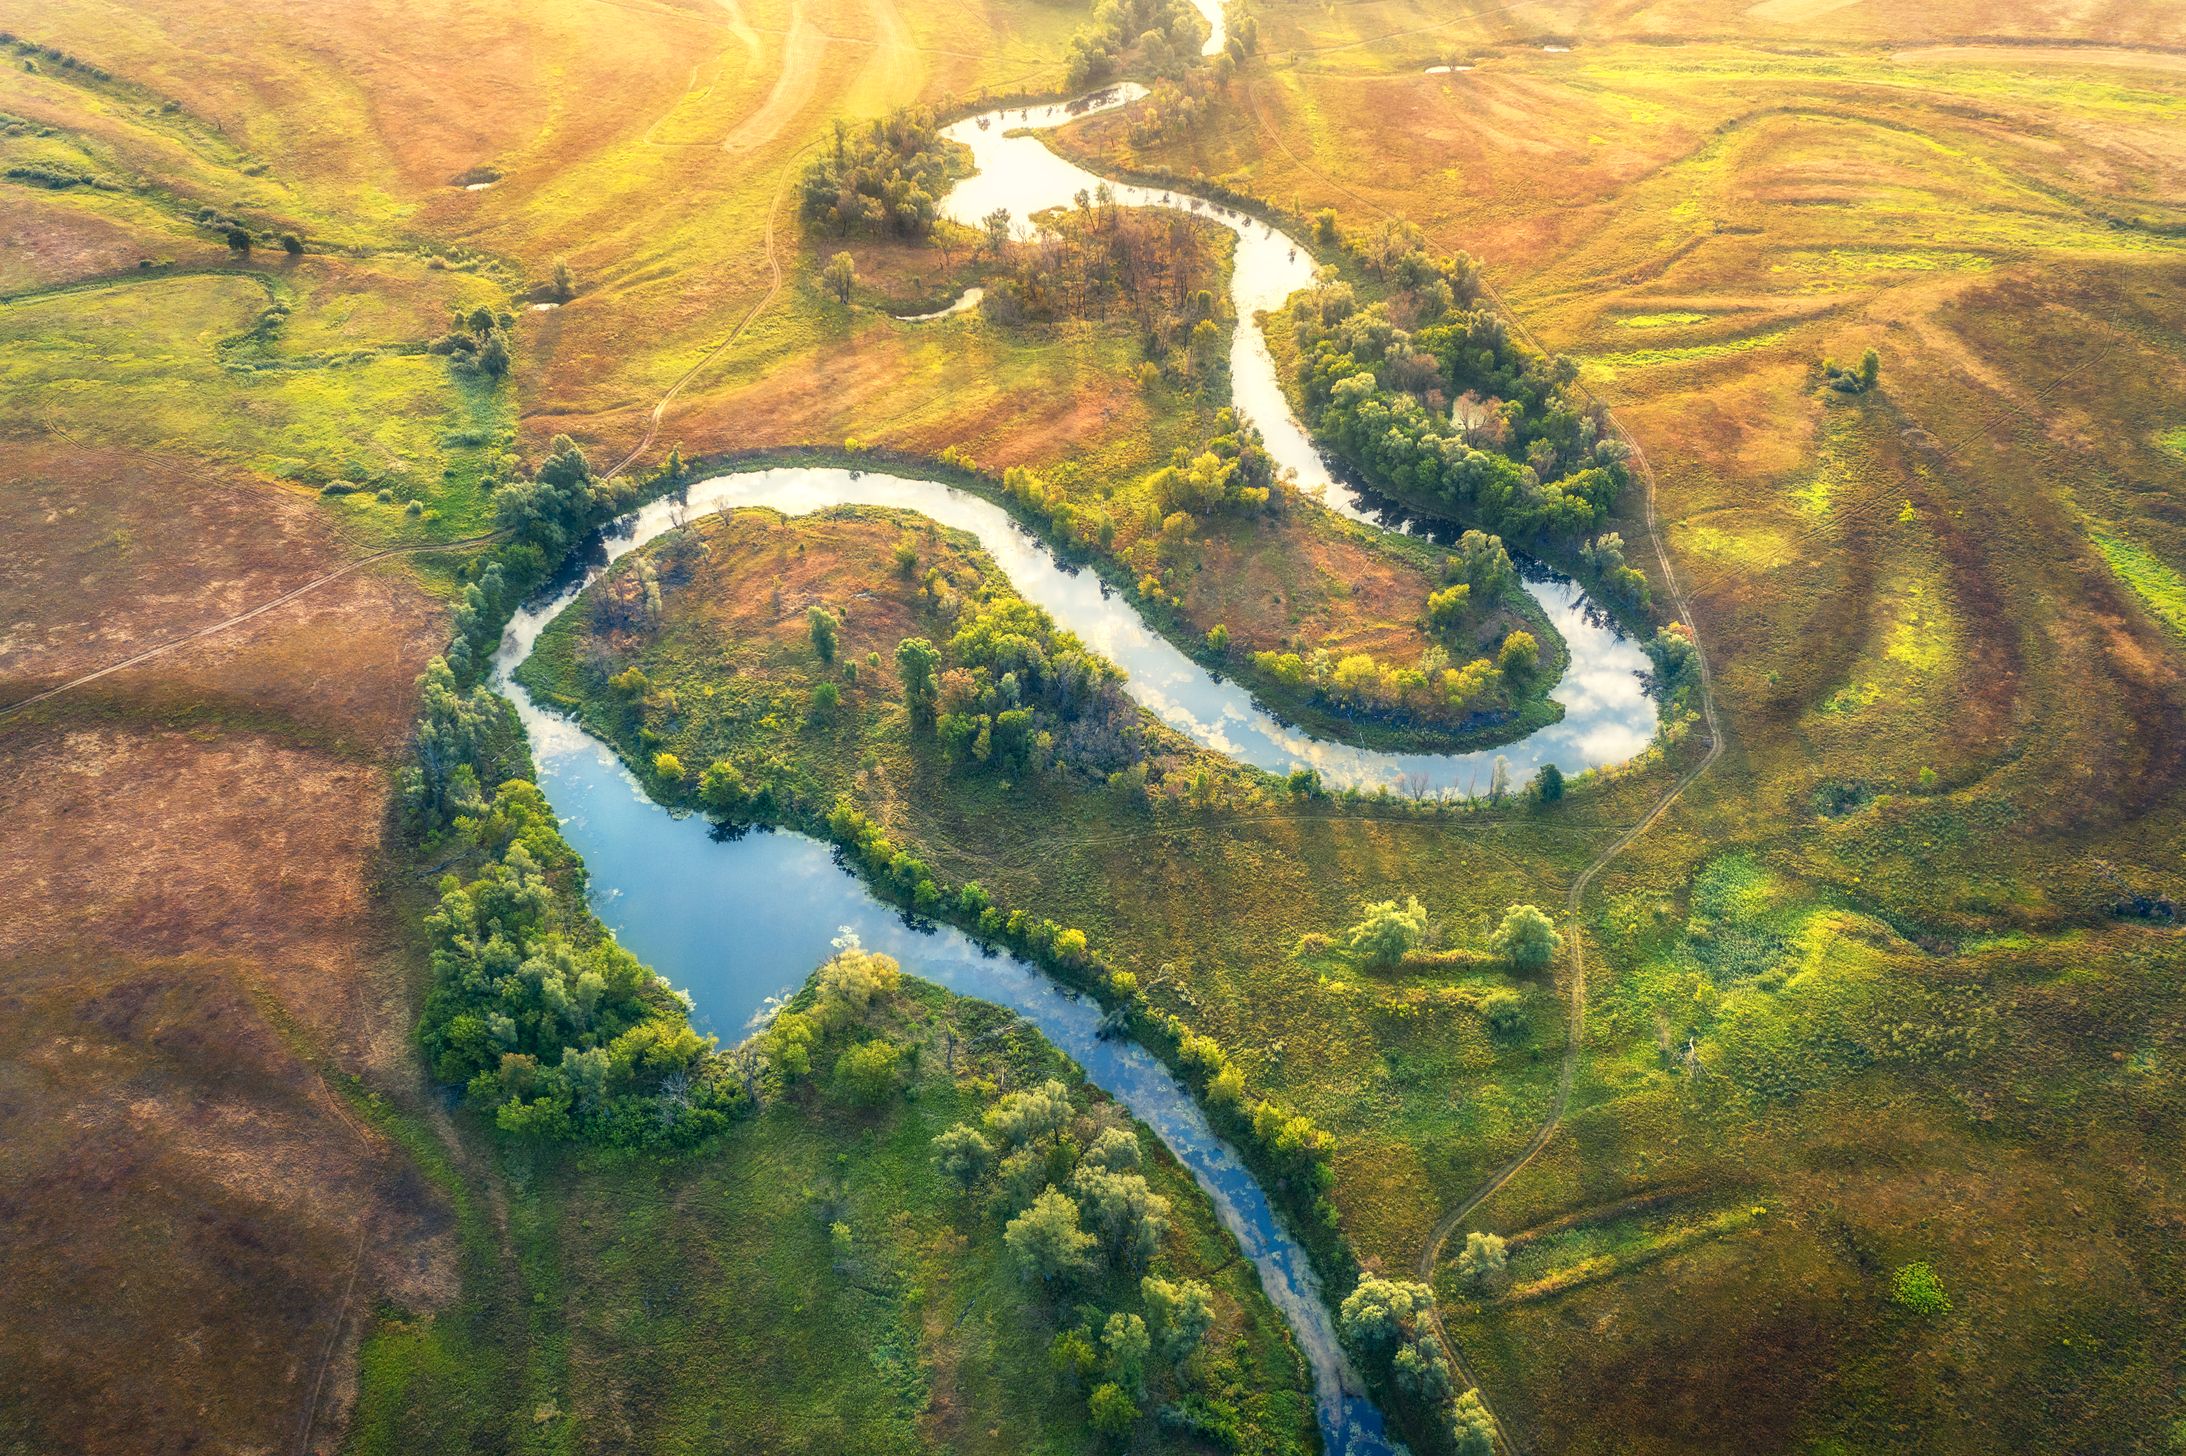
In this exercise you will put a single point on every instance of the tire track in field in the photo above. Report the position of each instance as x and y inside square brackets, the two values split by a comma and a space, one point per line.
[1575, 958]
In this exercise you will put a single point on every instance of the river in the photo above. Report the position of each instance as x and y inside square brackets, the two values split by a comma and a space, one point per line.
[739, 922]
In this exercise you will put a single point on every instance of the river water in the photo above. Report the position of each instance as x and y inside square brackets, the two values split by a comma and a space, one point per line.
[739, 922]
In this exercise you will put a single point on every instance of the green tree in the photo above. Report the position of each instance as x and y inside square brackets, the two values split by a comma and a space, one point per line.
[1182, 1312]
[1046, 1241]
[1870, 369]
[1114, 1412]
[963, 1155]
[1126, 1215]
[822, 624]
[1548, 784]
[564, 286]
[1526, 940]
[869, 1073]
[493, 354]
[916, 660]
[1388, 932]
[1125, 1346]
[840, 276]
[1519, 658]
[1472, 1429]
[1484, 1259]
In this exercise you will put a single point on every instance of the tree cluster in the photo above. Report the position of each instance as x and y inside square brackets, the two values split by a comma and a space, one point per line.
[883, 178]
[1430, 396]
[1149, 37]
[1078, 1218]
[1010, 691]
[477, 339]
[539, 1014]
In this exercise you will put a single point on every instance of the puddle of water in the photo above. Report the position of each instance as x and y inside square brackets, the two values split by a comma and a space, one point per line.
[965, 303]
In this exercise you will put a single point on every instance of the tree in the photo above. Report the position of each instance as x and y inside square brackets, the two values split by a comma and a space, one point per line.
[667, 768]
[840, 276]
[564, 286]
[1125, 1345]
[493, 354]
[1548, 784]
[916, 660]
[1870, 369]
[1472, 1429]
[963, 1155]
[1182, 1313]
[238, 239]
[994, 231]
[822, 624]
[1324, 226]
[1114, 1412]
[1034, 1115]
[1128, 1216]
[1047, 1242]
[868, 1073]
[1379, 1313]
[1519, 657]
[1387, 932]
[1484, 1259]
[1526, 940]
[292, 245]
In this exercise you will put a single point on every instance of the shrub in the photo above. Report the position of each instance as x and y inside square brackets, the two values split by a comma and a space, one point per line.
[1526, 940]
[1388, 932]
[1917, 1288]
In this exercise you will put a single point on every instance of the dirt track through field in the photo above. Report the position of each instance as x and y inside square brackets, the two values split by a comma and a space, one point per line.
[801, 49]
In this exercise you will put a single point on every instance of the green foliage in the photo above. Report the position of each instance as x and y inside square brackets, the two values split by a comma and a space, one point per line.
[964, 1155]
[467, 743]
[1181, 1314]
[823, 626]
[1526, 940]
[1113, 1411]
[1916, 1287]
[840, 276]
[883, 177]
[870, 1072]
[1046, 1240]
[1483, 1259]
[1472, 1429]
[1388, 932]
[1387, 1323]
[542, 1016]
[1160, 37]
[1125, 1347]
[1536, 464]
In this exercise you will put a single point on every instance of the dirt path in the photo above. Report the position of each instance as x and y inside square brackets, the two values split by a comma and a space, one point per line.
[1574, 941]
[774, 287]
[801, 50]
[241, 617]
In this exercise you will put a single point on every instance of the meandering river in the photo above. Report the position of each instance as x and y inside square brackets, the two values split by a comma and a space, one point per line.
[740, 922]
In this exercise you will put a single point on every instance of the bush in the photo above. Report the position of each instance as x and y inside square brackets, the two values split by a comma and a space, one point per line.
[1526, 940]
[1388, 932]
[1917, 1288]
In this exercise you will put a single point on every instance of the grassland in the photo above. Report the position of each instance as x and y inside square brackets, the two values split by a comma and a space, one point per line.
[1889, 986]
